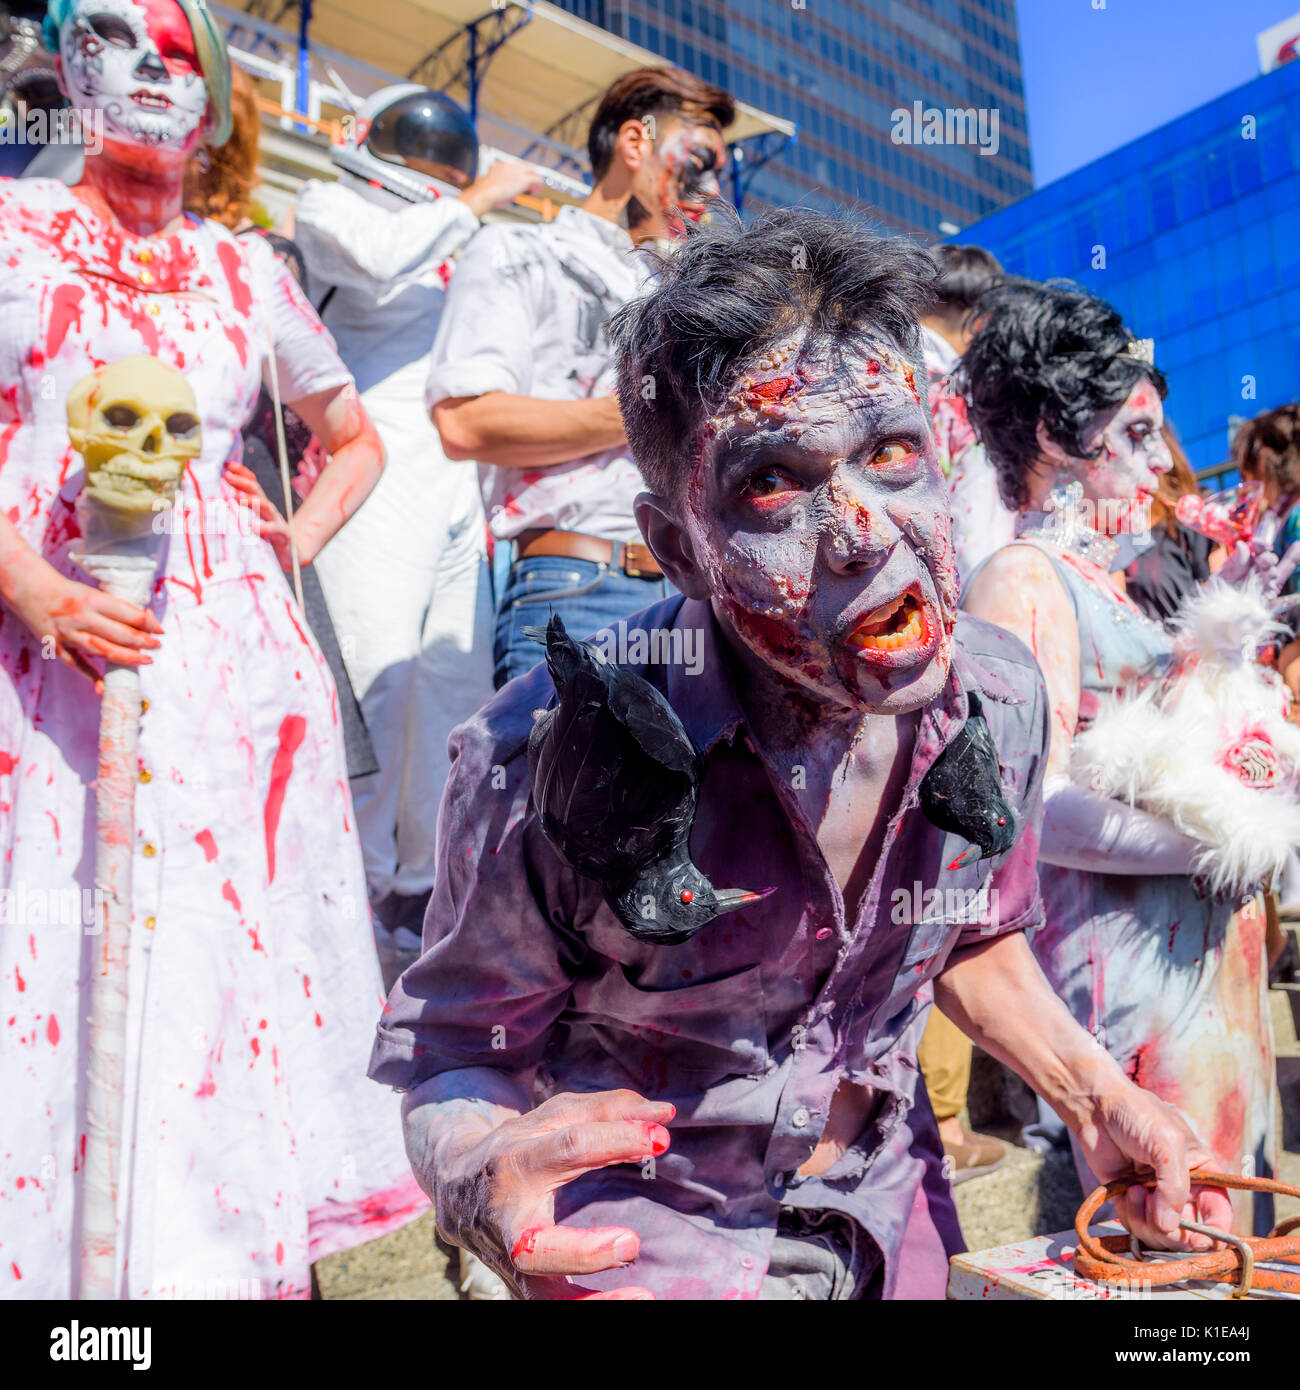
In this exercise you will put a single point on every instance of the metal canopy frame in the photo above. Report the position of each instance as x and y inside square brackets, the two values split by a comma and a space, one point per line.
[478, 54]
[461, 60]
[752, 154]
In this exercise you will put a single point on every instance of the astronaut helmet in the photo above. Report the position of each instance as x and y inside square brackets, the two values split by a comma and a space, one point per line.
[422, 132]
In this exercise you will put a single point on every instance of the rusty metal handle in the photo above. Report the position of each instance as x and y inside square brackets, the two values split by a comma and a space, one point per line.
[1102, 1258]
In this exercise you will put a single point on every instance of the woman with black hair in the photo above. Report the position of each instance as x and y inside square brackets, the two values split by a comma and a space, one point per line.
[1167, 979]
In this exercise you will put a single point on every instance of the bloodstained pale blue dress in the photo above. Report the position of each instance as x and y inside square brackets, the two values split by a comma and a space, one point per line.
[1171, 983]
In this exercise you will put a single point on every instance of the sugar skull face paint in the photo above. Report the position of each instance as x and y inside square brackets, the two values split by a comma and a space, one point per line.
[1122, 480]
[135, 61]
[818, 512]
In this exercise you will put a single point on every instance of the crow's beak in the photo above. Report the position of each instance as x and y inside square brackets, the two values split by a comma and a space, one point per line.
[731, 898]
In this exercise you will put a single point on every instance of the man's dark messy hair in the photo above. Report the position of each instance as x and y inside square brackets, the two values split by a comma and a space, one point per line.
[965, 273]
[728, 292]
[1051, 353]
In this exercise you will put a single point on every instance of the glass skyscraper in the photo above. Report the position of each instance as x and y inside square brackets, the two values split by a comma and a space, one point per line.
[867, 82]
[1193, 233]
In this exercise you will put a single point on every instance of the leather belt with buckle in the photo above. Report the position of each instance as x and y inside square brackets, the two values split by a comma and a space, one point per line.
[634, 558]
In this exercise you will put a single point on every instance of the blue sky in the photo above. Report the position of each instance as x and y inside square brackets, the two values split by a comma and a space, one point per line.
[1097, 78]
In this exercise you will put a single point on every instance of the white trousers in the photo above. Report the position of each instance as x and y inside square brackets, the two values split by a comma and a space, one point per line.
[406, 581]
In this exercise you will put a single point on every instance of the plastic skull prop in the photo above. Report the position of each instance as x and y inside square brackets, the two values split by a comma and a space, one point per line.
[136, 425]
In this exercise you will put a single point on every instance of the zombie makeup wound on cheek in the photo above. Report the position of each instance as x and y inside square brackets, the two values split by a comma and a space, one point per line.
[822, 521]
[690, 157]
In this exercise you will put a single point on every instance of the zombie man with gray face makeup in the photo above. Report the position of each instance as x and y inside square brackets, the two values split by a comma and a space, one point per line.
[1167, 977]
[739, 1115]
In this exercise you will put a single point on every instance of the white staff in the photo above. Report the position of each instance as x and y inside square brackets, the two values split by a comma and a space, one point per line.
[136, 425]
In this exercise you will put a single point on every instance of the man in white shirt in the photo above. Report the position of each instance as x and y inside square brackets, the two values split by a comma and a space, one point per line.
[406, 585]
[521, 378]
[981, 524]
[981, 521]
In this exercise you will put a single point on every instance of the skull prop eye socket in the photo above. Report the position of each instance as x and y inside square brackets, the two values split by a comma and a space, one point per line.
[136, 425]
[121, 417]
[182, 424]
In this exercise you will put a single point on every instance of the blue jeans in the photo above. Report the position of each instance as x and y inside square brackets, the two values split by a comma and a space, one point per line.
[587, 596]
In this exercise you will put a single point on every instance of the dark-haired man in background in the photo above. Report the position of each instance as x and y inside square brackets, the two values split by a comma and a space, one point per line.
[522, 379]
[981, 521]
[740, 1116]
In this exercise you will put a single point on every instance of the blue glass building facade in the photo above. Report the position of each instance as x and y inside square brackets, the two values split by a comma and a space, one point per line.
[1193, 233]
[841, 71]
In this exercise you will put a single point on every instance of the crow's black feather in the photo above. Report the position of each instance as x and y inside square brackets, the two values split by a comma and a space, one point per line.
[962, 792]
[615, 780]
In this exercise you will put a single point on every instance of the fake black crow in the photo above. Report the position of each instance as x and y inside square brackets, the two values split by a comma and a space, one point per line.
[962, 792]
[615, 781]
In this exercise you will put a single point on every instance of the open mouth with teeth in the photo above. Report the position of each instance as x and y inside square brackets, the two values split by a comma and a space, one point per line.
[153, 100]
[895, 627]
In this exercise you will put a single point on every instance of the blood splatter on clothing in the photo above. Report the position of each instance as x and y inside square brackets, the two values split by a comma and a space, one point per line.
[234, 753]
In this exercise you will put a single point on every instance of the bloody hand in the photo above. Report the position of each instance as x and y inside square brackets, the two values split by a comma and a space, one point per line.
[83, 621]
[271, 525]
[495, 1194]
[1133, 1129]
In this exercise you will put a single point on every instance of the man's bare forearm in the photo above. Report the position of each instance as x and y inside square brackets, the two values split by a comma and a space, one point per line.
[524, 432]
[997, 994]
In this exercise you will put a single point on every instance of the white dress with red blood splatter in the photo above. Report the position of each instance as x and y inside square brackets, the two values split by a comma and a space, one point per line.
[253, 1144]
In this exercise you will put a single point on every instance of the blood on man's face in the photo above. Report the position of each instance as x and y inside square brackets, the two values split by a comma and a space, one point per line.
[818, 513]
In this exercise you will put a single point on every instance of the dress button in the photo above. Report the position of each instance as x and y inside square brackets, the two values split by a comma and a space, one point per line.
[153, 309]
[144, 254]
[144, 706]
[150, 923]
[823, 933]
[800, 1118]
[149, 851]
[146, 775]
[146, 277]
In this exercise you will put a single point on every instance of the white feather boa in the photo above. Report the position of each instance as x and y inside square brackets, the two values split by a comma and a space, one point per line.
[1209, 747]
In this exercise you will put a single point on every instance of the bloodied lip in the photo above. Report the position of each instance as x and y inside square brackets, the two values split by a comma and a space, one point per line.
[896, 634]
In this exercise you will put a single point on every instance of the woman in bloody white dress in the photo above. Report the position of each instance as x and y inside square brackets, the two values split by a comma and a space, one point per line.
[253, 1143]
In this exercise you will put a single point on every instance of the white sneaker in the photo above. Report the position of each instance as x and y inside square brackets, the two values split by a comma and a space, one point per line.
[478, 1283]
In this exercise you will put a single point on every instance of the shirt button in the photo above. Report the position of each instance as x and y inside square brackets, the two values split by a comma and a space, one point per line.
[146, 277]
[153, 309]
[146, 775]
[144, 254]
[800, 1118]
[747, 1262]
[823, 933]
[144, 706]
[150, 923]
[150, 850]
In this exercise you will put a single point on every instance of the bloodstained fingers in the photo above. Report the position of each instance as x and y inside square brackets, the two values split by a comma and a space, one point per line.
[123, 656]
[568, 1108]
[123, 612]
[565, 1154]
[561, 1250]
[1137, 1207]
[71, 657]
[121, 634]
